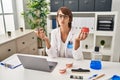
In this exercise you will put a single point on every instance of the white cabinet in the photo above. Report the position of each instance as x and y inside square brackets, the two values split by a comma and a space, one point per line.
[7, 49]
[102, 26]
[20, 42]
[27, 43]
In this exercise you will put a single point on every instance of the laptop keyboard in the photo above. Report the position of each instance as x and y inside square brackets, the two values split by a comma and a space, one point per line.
[51, 67]
[52, 64]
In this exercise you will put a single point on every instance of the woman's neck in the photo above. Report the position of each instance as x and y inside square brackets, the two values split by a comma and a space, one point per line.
[64, 33]
[65, 30]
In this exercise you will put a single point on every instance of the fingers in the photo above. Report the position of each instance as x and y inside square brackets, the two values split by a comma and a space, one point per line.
[40, 33]
[82, 35]
[40, 30]
[36, 32]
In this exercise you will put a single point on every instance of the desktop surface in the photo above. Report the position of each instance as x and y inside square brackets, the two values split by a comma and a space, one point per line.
[20, 73]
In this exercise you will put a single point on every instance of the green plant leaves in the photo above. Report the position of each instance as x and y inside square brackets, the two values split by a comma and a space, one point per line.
[36, 13]
[102, 42]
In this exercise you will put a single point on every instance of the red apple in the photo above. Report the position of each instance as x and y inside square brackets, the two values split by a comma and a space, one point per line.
[85, 29]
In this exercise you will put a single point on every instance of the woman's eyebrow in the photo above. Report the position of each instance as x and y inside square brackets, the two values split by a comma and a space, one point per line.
[61, 14]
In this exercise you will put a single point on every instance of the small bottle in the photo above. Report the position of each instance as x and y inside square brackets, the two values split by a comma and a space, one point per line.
[70, 45]
[96, 59]
[69, 48]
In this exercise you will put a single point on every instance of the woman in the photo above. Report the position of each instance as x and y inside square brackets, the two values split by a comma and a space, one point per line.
[64, 40]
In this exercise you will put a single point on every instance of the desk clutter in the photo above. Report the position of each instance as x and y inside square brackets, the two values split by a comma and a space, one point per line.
[73, 70]
[66, 69]
[115, 77]
[78, 70]
[95, 77]
[11, 63]
[11, 66]
[81, 73]
[76, 77]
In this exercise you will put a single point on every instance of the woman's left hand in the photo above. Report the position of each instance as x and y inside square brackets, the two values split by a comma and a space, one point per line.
[81, 36]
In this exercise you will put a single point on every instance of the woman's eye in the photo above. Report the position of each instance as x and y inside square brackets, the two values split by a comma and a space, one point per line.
[65, 16]
[60, 16]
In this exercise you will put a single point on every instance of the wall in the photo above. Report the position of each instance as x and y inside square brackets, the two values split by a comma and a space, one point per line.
[115, 7]
[19, 4]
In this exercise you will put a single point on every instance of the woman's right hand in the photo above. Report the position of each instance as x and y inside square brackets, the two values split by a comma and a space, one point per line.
[41, 34]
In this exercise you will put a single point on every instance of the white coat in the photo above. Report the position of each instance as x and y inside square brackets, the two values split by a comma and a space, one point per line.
[54, 50]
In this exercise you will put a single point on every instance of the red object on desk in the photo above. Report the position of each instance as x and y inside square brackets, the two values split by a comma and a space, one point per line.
[62, 71]
[69, 65]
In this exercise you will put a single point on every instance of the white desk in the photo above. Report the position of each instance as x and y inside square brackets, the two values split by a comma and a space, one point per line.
[19, 73]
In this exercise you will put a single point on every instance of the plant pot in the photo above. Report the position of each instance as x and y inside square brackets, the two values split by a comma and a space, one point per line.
[9, 33]
[21, 29]
[42, 51]
[102, 46]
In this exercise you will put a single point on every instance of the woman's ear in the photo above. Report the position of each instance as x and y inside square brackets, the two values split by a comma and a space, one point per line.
[57, 21]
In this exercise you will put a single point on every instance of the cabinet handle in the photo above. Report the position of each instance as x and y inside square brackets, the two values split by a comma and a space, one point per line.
[33, 49]
[23, 42]
[33, 38]
[9, 49]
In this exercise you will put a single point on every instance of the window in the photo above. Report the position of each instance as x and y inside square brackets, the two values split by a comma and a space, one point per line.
[7, 16]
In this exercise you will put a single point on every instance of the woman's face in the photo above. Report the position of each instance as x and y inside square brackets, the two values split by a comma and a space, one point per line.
[63, 19]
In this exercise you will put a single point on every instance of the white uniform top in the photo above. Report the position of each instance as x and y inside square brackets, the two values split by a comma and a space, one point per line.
[62, 49]
[56, 47]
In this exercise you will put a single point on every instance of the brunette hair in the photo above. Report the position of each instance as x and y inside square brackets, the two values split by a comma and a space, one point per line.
[68, 12]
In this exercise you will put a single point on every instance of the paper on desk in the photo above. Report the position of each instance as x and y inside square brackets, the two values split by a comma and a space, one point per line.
[14, 61]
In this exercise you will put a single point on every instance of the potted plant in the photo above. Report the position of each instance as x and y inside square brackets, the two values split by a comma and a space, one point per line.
[36, 15]
[102, 43]
[86, 46]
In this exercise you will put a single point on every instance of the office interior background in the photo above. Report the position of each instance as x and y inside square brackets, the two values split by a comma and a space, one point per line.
[11, 18]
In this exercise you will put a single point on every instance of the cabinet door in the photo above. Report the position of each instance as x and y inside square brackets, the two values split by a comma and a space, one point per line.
[27, 44]
[22, 43]
[24, 50]
[33, 48]
[86, 5]
[32, 38]
[71, 4]
[7, 49]
[106, 58]
[32, 43]
[103, 5]
[55, 5]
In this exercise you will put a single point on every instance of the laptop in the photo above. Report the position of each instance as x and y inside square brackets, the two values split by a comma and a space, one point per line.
[36, 63]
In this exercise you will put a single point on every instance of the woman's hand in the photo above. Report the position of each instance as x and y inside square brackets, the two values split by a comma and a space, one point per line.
[81, 36]
[41, 34]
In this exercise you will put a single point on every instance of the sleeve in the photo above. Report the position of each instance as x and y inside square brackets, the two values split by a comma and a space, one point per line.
[52, 51]
[77, 54]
